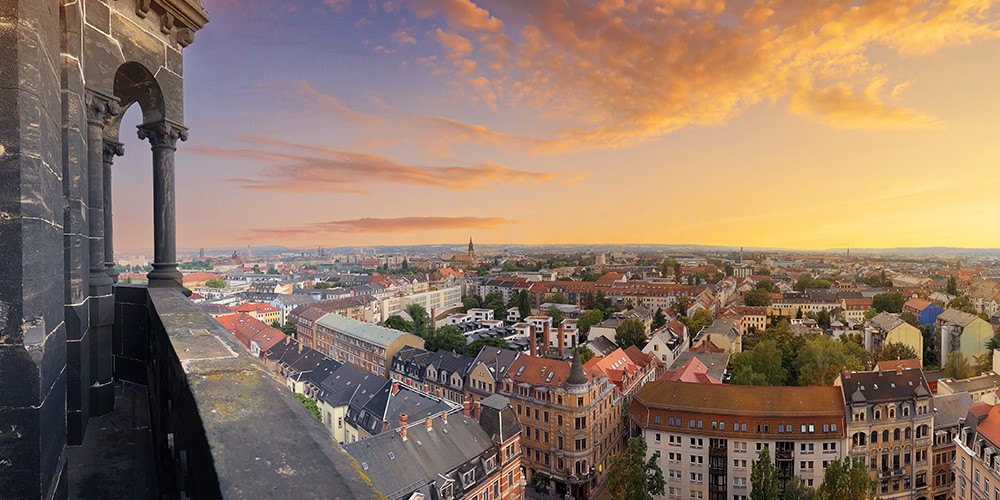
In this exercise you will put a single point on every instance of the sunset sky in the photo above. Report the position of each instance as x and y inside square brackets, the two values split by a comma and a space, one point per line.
[781, 123]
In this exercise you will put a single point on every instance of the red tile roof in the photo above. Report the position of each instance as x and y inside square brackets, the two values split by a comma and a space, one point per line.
[693, 371]
[199, 277]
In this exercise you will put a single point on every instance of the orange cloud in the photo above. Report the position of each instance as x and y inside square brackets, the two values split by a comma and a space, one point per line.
[380, 225]
[305, 168]
[458, 13]
[649, 67]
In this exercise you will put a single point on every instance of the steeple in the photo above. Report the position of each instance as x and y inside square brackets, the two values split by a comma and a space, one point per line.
[472, 249]
[576, 374]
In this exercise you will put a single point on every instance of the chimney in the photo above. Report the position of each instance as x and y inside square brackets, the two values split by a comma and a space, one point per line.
[395, 389]
[444, 417]
[899, 367]
[429, 424]
[561, 341]
[545, 337]
[533, 344]
[844, 374]
[476, 408]
[467, 406]
[402, 425]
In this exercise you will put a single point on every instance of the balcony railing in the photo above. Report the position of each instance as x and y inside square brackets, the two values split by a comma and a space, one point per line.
[221, 425]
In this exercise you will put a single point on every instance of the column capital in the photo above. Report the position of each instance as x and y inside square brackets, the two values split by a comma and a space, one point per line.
[112, 148]
[163, 133]
[101, 108]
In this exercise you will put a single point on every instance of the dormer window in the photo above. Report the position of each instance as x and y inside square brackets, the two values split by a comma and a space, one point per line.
[447, 490]
[468, 478]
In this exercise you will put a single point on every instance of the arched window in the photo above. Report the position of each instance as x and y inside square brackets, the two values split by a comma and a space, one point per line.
[895, 435]
[874, 437]
[906, 411]
[885, 436]
[906, 433]
[892, 413]
[878, 414]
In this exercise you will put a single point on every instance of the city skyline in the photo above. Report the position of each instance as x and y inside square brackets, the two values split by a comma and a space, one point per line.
[346, 123]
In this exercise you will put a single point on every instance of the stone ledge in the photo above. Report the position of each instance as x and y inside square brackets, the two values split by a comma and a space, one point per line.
[260, 440]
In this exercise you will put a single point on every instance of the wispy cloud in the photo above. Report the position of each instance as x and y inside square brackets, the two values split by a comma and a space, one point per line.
[649, 67]
[318, 230]
[307, 168]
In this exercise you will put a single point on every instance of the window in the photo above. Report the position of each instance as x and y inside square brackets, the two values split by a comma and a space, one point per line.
[697, 477]
[657, 437]
[697, 442]
[697, 460]
[657, 419]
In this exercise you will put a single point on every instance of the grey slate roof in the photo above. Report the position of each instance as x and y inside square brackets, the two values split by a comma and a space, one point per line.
[884, 385]
[398, 468]
[885, 321]
[957, 317]
[948, 409]
[497, 418]
[341, 386]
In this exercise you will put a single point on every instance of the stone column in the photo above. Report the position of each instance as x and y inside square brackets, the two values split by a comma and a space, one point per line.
[100, 109]
[163, 137]
[111, 150]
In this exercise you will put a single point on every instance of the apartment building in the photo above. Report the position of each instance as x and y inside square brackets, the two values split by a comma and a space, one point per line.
[441, 374]
[891, 426]
[977, 465]
[367, 345]
[434, 301]
[448, 456]
[708, 435]
[571, 422]
[955, 330]
[949, 412]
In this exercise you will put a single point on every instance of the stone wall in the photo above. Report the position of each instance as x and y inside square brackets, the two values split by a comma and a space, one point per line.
[68, 71]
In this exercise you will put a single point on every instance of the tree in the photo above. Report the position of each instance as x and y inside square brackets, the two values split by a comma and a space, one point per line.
[910, 318]
[310, 405]
[806, 281]
[632, 476]
[958, 366]
[847, 479]
[659, 319]
[700, 319]
[757, 297]
[477, 345]
[930, 355]
[272, 270]
[421, 321]
[962, 303]
[823, 319]
[585, 353]
[870, 313]
[397, 322]
[288, 328]
[682, 304]
[522, 301]
[764, 477]
[216, 283]
[897, 350]
[765, 285]
[796, 489]
[952, 288]
[556, 298]
[495, 301]
[889, 302]
[256, 269]
[630, 332]
[446, 338]
[588, 319]
[822, 358]
[556, 315]
[759, 366]
[471, 302]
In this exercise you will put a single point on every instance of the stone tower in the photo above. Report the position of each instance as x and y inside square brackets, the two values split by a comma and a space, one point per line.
[472, 251]
[68, 72]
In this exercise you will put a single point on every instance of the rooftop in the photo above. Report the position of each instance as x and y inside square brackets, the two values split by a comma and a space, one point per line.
[724, 399]
[368, 332]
